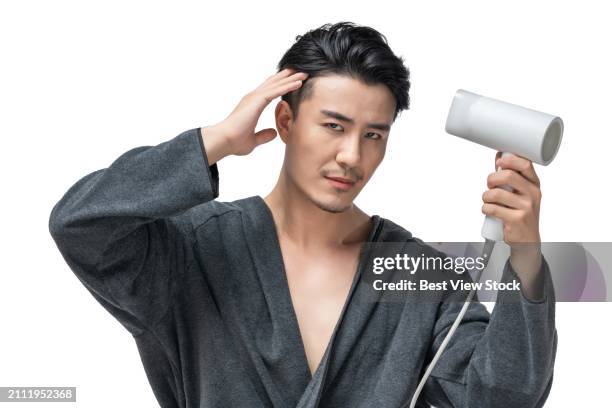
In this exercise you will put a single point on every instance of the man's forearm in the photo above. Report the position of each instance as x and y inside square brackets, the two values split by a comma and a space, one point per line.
[527, 263]
[215, 143]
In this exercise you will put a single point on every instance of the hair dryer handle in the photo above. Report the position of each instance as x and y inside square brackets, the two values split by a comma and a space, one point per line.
[493, 227]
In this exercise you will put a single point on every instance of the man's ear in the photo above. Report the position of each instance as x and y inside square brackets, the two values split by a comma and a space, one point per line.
[284, 120]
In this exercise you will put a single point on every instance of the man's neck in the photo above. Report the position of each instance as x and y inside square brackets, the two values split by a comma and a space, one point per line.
[306, 225]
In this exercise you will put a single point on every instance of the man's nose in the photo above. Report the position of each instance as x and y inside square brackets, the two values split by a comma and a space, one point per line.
[349, 152]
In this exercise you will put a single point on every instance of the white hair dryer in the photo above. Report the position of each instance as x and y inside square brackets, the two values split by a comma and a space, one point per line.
[510, 129]
[507, 128]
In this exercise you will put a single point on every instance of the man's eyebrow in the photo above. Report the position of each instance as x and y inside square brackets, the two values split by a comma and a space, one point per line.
[339, 116]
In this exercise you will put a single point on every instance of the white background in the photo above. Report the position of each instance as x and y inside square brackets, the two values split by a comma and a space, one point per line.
[82, 82]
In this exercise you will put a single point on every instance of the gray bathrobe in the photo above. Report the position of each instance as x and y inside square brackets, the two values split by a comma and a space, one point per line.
[200, 285]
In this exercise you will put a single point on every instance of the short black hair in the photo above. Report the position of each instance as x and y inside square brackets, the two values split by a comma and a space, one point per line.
[346, 48]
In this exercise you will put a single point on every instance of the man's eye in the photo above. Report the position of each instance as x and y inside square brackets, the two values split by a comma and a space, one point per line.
[329, 125]
[374, 136]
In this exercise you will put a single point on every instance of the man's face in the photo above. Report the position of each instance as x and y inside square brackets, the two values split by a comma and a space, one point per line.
[340, 134]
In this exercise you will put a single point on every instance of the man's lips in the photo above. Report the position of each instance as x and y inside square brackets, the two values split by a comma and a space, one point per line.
[341, 179]
[341, 182]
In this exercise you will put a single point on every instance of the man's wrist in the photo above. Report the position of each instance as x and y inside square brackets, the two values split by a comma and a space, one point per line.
[526, 261]
[216, 143]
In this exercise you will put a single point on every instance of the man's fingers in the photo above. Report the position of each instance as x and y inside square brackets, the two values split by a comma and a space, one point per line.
[298, 76]
[280, 85]
[506, 198]
[286, 72]
[499, 211]
[279, 76]
[282, 89]
[511, 178]
[519, 164]
[264, 136]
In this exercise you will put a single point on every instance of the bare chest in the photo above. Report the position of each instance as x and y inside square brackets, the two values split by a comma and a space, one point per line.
[319, 286]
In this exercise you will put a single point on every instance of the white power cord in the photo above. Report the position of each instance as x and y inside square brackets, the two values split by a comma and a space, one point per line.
[486, 254]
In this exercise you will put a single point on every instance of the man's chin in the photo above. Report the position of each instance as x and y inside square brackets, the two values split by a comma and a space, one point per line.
[332, 206]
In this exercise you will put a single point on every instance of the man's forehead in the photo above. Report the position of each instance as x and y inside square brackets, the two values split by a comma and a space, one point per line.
[350, 99]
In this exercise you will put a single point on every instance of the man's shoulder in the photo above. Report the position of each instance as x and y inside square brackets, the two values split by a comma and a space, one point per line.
[394, 232]
[214, 209]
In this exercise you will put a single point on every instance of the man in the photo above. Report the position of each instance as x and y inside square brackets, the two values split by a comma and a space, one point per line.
[260, 302]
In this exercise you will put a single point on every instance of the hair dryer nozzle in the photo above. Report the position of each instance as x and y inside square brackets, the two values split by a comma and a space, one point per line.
[505, 127]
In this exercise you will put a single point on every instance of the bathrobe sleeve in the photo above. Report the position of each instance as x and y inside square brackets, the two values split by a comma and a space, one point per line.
[117, 227]
[504, 359]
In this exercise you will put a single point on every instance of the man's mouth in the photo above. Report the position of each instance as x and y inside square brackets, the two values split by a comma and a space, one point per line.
[341, 182]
